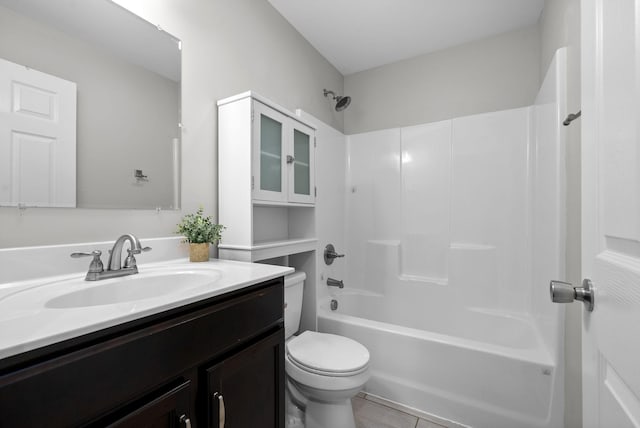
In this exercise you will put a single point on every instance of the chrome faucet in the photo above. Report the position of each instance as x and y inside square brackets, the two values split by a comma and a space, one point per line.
[114, 267]
[335, 283]
[115, 255]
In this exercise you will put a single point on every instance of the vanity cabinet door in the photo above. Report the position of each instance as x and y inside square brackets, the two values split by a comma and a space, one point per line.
[169, 409]
[247, 389]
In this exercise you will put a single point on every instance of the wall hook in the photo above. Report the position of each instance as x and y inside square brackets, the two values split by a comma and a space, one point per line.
[139, 175]
[571, 118]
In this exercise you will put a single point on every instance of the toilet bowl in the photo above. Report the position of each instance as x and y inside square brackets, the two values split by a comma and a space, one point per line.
[324, 371]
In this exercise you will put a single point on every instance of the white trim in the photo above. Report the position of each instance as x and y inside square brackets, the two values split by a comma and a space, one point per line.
[268, 102]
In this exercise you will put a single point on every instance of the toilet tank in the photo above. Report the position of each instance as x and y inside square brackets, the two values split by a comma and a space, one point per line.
[293, 287]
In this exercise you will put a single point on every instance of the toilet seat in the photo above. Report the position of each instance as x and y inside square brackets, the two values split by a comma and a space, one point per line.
[327, 354]
[305, 380]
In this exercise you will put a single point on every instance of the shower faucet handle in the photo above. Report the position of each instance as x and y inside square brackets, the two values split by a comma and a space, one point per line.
[334, 255]
[330, 254]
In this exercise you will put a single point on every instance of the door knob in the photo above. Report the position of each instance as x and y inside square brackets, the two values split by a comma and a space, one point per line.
[565, 292]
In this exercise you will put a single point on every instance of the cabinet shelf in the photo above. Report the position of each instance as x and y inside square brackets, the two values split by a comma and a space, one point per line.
[258, 203]
[267, 249]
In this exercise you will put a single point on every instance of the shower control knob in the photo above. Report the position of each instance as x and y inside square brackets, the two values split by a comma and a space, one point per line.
[565, 292]
[330, 254]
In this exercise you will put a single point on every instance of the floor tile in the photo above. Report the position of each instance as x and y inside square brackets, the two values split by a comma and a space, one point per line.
[428, 418]
[373, 415]
[388, 403]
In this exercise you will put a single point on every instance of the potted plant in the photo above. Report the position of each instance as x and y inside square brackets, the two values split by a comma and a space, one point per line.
[199, 231]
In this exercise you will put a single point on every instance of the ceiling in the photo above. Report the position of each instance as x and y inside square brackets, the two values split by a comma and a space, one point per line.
[356, 35]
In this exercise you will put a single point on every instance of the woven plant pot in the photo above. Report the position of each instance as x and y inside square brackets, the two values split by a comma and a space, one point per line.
[199, 252]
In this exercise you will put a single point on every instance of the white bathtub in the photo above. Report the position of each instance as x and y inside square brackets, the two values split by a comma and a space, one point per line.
[480, 368]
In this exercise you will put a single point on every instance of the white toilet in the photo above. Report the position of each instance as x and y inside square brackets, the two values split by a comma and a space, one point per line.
[324, 371]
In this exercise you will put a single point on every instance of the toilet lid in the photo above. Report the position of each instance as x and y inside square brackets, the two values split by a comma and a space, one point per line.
[328, 353]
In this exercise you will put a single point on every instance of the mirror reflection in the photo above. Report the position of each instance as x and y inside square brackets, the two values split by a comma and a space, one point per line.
[89, 107]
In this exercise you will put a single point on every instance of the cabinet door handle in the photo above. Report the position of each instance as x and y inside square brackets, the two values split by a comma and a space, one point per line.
[184, 420]
[221, 411]
[290, 159]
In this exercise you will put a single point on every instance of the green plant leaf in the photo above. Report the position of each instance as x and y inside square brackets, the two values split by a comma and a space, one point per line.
[200, 229]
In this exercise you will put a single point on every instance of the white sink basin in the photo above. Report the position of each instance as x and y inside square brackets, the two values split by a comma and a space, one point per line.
[153, 286]
[48, 310]
[134, 287]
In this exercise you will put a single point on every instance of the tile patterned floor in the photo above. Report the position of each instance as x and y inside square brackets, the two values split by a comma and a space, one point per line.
[374, 412]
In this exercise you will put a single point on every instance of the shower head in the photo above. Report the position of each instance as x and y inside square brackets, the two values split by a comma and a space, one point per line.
[341, 102]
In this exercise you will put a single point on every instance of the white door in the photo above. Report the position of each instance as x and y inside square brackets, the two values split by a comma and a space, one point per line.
[611, 211]
[37, 138]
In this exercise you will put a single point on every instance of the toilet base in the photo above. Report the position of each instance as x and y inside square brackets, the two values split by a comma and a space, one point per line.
[294, 412]
[317, 413]
[329, 415]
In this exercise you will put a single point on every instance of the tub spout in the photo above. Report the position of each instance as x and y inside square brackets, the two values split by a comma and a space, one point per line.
[335, 283]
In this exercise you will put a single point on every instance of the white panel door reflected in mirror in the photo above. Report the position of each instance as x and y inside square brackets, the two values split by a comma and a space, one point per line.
[38, 144]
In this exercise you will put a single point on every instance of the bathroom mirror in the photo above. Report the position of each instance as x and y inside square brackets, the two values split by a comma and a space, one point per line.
[126, 123]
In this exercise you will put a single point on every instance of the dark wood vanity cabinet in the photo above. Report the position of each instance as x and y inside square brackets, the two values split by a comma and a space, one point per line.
[170, 409]
[242, 390]
[219, 360]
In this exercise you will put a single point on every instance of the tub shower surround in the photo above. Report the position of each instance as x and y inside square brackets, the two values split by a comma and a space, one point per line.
[453, 231]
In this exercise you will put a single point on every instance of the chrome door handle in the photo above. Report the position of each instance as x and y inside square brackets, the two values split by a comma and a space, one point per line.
[290, 159]
[565, 292]
[221, 410]
[184, 420]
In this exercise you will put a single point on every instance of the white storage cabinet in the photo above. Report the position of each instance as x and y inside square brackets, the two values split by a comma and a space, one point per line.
[266, 172]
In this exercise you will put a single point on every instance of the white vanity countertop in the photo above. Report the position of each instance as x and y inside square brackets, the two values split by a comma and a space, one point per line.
[28, 319]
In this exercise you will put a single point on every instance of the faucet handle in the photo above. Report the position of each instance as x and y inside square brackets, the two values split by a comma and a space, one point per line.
[138, 250]
[96, 263]
[94, 253]
[130, 261]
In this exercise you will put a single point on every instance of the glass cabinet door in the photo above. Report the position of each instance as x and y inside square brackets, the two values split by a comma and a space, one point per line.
[301, 164]
[269, 159]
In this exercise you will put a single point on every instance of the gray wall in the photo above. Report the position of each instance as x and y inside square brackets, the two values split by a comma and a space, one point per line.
[127, 115]
[560, 26]
[497, 73]
[228, 47]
